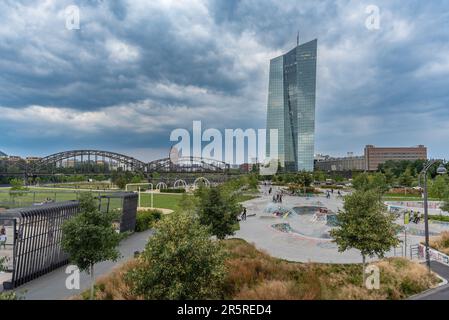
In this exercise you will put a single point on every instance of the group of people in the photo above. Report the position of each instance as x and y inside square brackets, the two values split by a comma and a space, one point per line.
[328, 193]
[277, 198]
[415, 217]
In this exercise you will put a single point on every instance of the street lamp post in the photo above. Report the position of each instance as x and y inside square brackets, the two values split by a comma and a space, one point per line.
[441, 170]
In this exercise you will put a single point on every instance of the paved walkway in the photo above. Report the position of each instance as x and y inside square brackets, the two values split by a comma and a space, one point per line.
[52, 285]
[440, 293]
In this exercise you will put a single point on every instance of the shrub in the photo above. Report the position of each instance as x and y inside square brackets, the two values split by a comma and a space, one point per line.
[146, 219]
[178, 190]
[441, 242]
[180, 261]
[439, 218]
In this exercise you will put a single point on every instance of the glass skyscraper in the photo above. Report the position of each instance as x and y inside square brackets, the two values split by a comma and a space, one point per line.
[291, 106]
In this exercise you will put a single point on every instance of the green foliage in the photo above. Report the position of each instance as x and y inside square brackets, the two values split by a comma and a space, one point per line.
[365, 225]
[376, 182]
[305, 179]
[397, 168]
[177, 190]
[218, 210]
[439, 187]
[439, 217]
[180, 262]
[89, 237]
[188, 204]
[406, 178]
[17, 188]
[146, 219]
[121, 178]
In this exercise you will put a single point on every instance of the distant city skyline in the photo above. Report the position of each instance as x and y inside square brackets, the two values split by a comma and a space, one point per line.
[136, 70]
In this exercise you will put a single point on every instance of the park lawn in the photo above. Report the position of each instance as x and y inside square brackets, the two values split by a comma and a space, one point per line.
[252, 274]
[161, 200]
[33, 196]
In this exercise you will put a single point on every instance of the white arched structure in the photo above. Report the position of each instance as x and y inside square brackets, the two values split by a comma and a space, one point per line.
[201, 179]
[178, 184]
[161, 185]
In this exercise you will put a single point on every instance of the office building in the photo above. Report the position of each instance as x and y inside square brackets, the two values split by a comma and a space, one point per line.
[374, 156]
[291, 107]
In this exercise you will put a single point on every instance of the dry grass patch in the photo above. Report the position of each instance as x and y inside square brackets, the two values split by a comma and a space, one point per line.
[441, 242]
[254, 275]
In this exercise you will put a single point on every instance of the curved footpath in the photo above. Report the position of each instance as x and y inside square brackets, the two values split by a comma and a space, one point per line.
[439, 293]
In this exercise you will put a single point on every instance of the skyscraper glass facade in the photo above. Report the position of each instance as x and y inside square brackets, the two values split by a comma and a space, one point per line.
[291, 106]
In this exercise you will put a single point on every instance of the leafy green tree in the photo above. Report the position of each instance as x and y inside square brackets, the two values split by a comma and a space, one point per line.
[89, 237]
[439, 188]
[305, 179]
[361, 182]
[218, 211]
[180, 262]
[188, 203]
[365, 225]
[378, 181]
[17, 189]
[406, 178]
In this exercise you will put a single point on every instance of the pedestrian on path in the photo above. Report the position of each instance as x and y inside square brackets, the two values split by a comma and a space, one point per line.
[244, 214]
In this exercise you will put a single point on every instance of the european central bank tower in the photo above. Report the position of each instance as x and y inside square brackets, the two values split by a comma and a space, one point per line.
[291, 107]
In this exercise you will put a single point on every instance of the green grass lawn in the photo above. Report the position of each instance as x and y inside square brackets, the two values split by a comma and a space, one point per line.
[165, 201]
[27, 199]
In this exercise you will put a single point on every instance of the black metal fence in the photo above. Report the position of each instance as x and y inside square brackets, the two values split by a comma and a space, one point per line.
[37, 235]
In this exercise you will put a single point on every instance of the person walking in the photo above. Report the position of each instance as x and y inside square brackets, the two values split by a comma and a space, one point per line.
[244, 214]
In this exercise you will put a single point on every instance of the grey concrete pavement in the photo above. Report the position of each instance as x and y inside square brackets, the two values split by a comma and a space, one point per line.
[309, 240]
[52, 286]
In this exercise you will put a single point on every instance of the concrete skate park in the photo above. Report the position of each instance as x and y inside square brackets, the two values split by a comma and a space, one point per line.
[295, 229]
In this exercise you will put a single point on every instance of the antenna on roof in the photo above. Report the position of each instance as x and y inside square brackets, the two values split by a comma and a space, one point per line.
[297, 39]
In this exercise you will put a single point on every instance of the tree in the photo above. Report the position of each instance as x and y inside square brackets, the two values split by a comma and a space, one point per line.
[361, 182]
[305, 179]
[218, 211]
[17, 188]
[180, 262]
[188, 203]
[365, 225]
[439, 188]
[89, 237]
[376, 182]
[406, 178]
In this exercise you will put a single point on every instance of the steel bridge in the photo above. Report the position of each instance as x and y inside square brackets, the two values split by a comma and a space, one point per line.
[98, 162]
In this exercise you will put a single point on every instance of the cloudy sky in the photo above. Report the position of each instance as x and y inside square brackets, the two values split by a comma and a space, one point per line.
[137, 69]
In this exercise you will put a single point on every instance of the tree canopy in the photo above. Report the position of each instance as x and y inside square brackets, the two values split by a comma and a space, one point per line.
[180, 261]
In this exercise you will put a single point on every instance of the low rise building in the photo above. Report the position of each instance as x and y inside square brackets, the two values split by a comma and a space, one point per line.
[350, 163]
[374, 156]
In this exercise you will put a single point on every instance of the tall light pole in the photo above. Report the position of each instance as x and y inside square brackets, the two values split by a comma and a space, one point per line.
[441, 170]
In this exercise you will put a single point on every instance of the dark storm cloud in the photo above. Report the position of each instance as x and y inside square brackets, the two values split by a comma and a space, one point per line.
[138, 69]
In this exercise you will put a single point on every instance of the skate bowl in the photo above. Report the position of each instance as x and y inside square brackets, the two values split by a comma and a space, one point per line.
[305, 222]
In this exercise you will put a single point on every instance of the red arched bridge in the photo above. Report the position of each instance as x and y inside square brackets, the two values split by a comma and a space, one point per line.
[97, 161]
